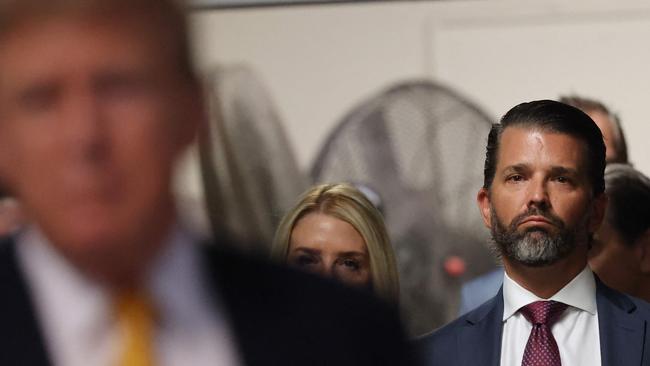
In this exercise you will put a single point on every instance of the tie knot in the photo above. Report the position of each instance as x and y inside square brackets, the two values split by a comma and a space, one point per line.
[136, 318]
[134, 305]
[543, 312]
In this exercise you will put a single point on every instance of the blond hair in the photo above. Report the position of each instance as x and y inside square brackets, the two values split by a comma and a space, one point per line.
[345, 202]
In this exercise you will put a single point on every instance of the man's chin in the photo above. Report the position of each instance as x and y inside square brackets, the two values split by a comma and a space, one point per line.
[537, 233]
[536, 256]
[91, 240]
[86, 234]
[535, 262]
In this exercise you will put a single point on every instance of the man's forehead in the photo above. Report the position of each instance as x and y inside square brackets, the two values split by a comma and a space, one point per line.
[161, 22]
[71, 43]
[523, 145]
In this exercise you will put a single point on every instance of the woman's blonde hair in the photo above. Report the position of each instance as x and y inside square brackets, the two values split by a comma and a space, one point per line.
[345, 202]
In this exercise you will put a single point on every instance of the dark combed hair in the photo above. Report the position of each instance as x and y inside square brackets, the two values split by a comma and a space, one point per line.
[588, 105]
[556, 117]
[629, 201]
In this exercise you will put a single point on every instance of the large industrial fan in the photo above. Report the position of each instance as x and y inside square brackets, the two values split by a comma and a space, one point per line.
[421, 147]
[250, 173]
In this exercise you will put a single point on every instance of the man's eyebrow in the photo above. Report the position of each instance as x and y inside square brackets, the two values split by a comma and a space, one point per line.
[516, 168]
[562, 170]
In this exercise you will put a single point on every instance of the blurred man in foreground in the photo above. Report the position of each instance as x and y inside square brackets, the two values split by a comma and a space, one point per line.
[621, 252]
[97, 99]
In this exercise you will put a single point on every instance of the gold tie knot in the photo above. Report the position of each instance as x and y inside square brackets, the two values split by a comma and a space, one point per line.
[136, 318]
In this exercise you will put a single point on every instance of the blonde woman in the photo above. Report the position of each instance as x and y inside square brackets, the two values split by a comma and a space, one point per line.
[335, 231]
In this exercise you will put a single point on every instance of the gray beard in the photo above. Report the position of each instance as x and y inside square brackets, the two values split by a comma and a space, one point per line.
[534, 247]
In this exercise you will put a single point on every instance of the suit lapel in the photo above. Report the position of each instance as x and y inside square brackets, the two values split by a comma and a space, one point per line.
[622, 331]
[480, 339]
[20, 339]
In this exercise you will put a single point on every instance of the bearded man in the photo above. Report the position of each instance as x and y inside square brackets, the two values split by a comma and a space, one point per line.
[542, 199]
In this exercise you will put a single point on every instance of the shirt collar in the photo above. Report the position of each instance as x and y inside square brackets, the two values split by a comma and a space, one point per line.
[177, 283]
[173, 280]
[580, 293]
[58, 287]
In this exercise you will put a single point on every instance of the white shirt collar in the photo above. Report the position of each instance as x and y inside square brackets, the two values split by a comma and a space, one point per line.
[58, 287]
[580, 293]
[77, 317]
[177, 284]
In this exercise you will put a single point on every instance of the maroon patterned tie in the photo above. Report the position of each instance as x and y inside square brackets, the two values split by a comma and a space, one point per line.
[541, 349]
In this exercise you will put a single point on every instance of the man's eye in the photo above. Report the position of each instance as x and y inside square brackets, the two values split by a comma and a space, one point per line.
[38, 99]
[515, 178]
[562, 179]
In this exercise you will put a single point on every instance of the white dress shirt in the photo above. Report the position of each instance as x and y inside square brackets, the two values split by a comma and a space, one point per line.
[576, 331]
[77, 320]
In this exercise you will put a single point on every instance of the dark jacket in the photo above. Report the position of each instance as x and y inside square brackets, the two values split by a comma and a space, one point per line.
[278, 316]
[475, 338]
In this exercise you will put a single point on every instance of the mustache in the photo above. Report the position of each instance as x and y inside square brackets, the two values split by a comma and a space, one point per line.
[536, 211]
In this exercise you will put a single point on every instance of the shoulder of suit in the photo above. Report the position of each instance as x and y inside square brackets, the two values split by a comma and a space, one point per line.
[493, 279]
[625, 302]
[444, 333]
[7, 259]
[256, 279]
[280, 304]
[642, 306]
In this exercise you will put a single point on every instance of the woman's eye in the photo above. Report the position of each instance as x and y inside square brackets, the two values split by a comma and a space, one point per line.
[351, 264]
[305, 260]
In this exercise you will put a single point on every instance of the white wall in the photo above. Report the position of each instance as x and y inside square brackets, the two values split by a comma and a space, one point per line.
[319, 61]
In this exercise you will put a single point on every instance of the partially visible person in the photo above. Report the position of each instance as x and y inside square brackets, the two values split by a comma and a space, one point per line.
[98, 98]
[608, 123]
[480, 289]
[620, 255]
[334, 230]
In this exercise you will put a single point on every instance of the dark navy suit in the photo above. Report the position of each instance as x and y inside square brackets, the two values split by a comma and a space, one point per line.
[278, 316]
[475, 338]
[479, 290]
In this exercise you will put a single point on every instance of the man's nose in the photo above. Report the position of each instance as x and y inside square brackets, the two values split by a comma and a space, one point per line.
[538, 193]
[85, 128]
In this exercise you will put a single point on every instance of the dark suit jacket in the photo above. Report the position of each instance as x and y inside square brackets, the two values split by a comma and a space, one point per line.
[475, 338]
[279, 317]
[479, 290]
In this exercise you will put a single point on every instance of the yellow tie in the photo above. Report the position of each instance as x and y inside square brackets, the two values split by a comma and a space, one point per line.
[135, 316]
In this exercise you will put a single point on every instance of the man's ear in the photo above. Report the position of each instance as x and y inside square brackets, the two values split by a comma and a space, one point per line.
[598, 209]
[484, 205]
[643, 245]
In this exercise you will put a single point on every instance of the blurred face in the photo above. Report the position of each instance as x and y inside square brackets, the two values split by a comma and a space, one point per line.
[330, 247]
[614, 262]
[606, 126]
[540, 207]
[92, 114]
